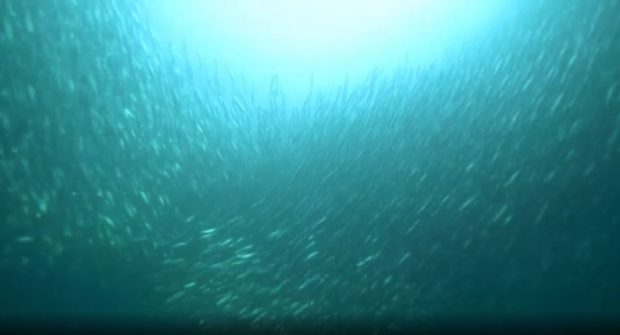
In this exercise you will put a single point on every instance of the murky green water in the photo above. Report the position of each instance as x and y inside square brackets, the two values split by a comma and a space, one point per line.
[135, 184]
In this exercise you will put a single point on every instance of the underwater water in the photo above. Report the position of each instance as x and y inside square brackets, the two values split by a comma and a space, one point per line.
[137, 184]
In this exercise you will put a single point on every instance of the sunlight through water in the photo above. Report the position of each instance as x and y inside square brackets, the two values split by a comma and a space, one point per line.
[323, 39]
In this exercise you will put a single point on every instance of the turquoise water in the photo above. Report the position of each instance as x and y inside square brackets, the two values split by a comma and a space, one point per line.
[135, 183]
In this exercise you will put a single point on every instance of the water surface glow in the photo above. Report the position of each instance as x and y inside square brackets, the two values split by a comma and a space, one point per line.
[326, 40]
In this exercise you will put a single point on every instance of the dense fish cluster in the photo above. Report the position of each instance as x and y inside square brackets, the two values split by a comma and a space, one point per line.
[133, 180]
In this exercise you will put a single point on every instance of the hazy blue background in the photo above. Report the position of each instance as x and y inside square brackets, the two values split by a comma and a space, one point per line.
[139, 181]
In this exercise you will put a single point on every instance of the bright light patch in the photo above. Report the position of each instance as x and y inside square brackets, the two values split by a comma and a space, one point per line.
[328, 39]
[317, 28]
